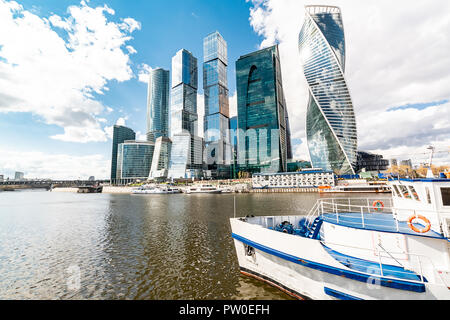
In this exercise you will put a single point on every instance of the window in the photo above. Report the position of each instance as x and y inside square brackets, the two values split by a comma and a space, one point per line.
[396, 192]
[428, 194]
[445, 192]
[404, 192]
[413, 192]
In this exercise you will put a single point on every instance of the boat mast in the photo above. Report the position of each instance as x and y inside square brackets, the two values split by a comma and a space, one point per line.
[430, 172]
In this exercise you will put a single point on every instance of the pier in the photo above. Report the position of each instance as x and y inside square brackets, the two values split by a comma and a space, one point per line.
[285, 190]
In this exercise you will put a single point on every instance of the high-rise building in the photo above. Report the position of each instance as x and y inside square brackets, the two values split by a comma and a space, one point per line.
[158, 104]
[134, 159]
[18, 176]
[216, 121]
[262, 113]
[371, 162]
[330, 119]
[184, 118]
[161, 158]
[234, 145]
[120, 134]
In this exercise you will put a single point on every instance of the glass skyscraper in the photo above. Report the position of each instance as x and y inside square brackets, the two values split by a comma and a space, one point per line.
[187, 147]
[216, 120]
[330, 120]
[134, 159]
[161, 158]
[262, 114]
[120, 134]
[158, 104]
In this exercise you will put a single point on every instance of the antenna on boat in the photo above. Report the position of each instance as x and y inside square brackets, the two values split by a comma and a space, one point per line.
[234, 205]
[430, 171]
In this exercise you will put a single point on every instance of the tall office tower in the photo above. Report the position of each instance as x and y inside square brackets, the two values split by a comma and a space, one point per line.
[330, 119]
[120, 134]
[134, 159]
[234, 145]
[262, 113]
[216, 120]
[158, 104]
[161, 158]
[183, 118]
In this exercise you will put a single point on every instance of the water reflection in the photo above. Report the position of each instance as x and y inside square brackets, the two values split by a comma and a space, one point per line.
[129, 247]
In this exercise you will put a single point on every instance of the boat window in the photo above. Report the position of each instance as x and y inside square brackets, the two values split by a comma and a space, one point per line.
[414, 193]
[404, 192]
[428, 194]
[396, 192]
[445, 192]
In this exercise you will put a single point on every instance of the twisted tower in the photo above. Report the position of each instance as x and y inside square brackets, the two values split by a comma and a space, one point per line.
[330, 120]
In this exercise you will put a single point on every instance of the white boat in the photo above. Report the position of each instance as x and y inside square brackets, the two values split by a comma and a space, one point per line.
[157, 190]
[204, 188]
[374, 188]
[353, 249]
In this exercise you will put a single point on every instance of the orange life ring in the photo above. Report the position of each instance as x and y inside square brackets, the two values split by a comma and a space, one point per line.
[378, 205]
[427, 224]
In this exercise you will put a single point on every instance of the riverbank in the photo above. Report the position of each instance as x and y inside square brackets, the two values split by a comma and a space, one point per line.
[106, 189]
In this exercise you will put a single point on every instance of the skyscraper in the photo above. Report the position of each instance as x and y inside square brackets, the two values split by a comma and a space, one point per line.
[158, 104]
[134, 159]
[184, 118]
[161, 158]
[262, 113]
[330, 120]
[216, 120]
[120, 134]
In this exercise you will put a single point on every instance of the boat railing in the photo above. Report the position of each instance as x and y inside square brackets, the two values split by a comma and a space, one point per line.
[362, 207]
[421, 265]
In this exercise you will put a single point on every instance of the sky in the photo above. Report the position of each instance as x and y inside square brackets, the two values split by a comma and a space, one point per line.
[70, 70]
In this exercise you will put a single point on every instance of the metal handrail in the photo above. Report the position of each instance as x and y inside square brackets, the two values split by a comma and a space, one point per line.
[418, 256]
[322, 206]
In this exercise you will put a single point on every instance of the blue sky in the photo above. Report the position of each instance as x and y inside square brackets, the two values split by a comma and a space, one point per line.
[70, 69]
[166, 27]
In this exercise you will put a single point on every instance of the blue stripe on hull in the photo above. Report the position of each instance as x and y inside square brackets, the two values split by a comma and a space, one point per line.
[339, 295]
[390, 283]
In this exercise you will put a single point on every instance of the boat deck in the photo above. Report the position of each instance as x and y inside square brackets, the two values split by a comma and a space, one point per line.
[374, 268]
[382, 222]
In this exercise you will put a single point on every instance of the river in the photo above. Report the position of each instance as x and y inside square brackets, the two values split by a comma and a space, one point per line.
[110, 246]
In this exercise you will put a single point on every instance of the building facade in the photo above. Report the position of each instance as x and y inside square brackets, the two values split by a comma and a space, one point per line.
[18, 176]
[158, 104]
[371, 162]
[134, 160]
[262, 113]
[120, 135]
[301, 179]
[161, 158]
[216, 120]
[187, 146]
[330, 120]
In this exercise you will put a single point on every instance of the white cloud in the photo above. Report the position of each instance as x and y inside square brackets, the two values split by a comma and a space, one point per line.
[233, 105]
[200, 113]
[396, 54]
[55, 166]
[144, 73]
[53, 67]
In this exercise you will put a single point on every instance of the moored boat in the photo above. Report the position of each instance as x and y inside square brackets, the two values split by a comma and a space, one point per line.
[156, 190]
[204, 188]
[393, 248]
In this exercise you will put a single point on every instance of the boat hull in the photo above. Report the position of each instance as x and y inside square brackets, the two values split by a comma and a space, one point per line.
[302, 268]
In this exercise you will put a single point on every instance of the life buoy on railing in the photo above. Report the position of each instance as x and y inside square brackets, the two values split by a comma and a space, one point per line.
[424, 219]
[378, 205]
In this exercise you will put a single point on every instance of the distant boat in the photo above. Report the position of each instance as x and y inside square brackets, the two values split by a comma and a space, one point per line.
[205, 188]
[90, 189]
[156, 190]
[381, 188]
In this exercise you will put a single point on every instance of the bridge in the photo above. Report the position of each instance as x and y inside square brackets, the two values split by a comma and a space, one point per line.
[11, 185]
